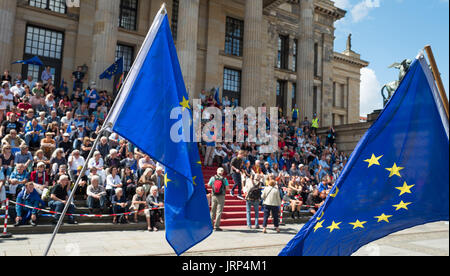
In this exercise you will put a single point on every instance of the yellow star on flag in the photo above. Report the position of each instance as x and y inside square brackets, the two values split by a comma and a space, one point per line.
[383, 217]
[395, 170]
[318, 225]
[193, 180]
[358, 224]
[374, 160]
[185, 104]
[405, 189]
[334, 226]
[166, 180]
[402, 205]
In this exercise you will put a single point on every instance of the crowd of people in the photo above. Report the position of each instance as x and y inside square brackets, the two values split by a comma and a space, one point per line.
[47, 133]
[298, 176]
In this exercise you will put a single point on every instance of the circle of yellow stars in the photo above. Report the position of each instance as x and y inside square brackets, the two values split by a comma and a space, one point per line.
[395, 170]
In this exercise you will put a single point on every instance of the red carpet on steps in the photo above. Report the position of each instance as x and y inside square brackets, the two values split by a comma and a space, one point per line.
[234, 212]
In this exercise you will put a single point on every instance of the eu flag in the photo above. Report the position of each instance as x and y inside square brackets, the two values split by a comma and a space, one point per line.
[32, 61]
[217, 96]
[142, 114]
[115, 69]
[397, 177]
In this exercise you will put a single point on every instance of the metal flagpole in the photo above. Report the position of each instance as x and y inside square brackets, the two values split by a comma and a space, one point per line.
[437, 77]
[72, 194]
[105, 127]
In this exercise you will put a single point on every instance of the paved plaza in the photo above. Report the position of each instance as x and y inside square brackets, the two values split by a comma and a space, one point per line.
[427, 240]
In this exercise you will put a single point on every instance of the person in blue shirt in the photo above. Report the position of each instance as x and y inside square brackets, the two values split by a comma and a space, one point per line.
[34, 134]
[93, 98]
[18, 178]
[30, 197]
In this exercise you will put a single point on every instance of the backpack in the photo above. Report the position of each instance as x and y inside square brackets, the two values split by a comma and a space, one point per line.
[254, 194]
[218, 187]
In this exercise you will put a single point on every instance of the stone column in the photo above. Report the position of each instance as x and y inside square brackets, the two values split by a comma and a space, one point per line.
[216, 33]
[326, 116]
[251, 68]
[305, 60]
[7, 18]
[187, 42]
[104, 41]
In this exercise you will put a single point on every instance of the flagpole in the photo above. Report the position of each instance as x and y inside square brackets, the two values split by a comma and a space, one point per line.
[437, 77]
[72, 194]
[105, 127]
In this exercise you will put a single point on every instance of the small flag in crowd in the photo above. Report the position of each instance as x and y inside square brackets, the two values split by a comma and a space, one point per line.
[156, 75]
[397, 177]
[115, 69]
[217, 96]
[119, 83]
[32, 61]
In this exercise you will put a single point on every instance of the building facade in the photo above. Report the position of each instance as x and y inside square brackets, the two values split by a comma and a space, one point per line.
[277, 52]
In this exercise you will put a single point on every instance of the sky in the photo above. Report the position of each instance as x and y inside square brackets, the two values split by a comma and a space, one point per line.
[388, 31]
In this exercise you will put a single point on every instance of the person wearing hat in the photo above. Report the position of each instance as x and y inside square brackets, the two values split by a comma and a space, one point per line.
[219, 185]
[40, 178]
[17, 89]
[34, 133]
[66, 144]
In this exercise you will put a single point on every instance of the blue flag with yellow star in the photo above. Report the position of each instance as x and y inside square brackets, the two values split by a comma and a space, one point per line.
[115, 69]
[396, 178]
[147, 112]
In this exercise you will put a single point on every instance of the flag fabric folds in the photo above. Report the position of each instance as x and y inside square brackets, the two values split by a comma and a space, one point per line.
[153, 88]
[397, 177]
[114, 69]
[217, 96]
[119, 83]
[32, 61]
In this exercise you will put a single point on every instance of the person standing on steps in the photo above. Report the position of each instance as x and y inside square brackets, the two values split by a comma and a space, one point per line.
[236, 168]
[219, 185]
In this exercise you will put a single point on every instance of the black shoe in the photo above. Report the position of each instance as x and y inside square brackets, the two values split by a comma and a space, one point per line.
[73, 222]
[218, 230]
[33, 223]
[17, 224]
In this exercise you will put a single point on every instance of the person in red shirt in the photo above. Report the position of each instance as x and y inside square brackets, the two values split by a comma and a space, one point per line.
[40, 178]
[25, 105]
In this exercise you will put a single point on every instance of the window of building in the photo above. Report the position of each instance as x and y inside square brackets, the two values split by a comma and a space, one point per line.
[281, 95]
[58, 6]
[232, 84]
[48, 45]
[127, 52]
[294, 94]
[283, 52]
[128, 14]
[294, 60]
[234, 37]
[43, 42]
[175, 9]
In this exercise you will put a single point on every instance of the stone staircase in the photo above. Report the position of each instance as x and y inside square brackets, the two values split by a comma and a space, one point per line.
[234, 214]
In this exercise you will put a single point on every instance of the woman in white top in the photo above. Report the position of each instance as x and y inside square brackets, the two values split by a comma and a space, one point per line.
[113, 181]
[98, 163]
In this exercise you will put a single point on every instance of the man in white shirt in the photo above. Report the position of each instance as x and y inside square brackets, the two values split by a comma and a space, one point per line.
[17, 90]
[75, 162]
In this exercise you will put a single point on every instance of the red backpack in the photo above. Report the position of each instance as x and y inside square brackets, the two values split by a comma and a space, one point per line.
[219, 186]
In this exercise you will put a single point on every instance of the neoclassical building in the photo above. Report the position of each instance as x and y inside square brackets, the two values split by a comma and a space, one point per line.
[278, 52]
